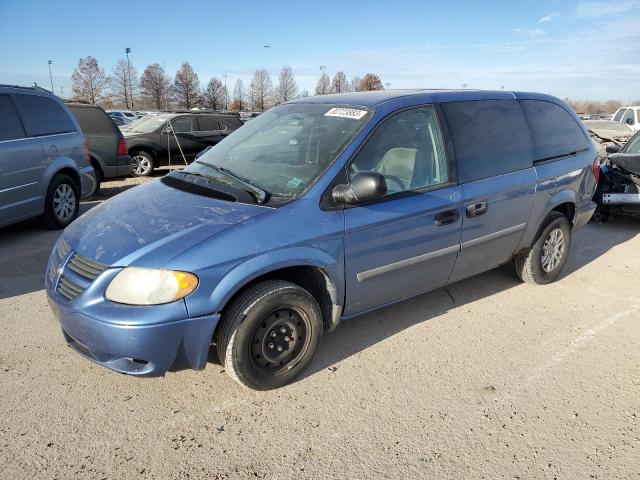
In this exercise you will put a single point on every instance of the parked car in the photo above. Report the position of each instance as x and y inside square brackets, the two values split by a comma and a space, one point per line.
[618, 190]
[118, 121]
[163, 139]
[44, 161]
[125, 114]
[629, 116]
[605, 133]
[107, 147]
[321, 209]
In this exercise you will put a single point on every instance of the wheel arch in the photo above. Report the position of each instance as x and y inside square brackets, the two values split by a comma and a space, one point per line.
[563, 202]
[313, 272]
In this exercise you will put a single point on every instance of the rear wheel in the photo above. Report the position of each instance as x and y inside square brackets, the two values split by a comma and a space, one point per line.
[141, 164]
[269, 335]
[61, 203]
[544, 262]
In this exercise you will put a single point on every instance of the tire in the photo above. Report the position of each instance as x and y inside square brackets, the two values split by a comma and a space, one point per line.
[62, 202]
[141, 164]
[536, 267]
[269, 334]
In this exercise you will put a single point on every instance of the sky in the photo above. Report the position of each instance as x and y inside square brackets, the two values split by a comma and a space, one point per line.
[576, 49]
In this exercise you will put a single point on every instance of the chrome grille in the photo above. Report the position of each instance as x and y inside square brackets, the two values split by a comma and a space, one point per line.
[85, 267]
[69, 289]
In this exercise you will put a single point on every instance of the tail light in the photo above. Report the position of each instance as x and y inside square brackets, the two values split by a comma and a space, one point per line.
[596, 169]
[122, 147]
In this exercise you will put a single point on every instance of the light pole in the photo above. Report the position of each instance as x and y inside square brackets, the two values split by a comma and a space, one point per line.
[128, 51]
[50, 76]
[226, 93]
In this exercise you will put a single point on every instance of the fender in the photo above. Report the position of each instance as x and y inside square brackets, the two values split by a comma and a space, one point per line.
[540, 212]
[51, 170]
[244, 273]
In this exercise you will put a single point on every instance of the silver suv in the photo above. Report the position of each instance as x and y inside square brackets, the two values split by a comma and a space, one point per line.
[44, 160]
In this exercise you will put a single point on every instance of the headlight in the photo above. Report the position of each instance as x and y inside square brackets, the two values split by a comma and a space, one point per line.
[148, 286]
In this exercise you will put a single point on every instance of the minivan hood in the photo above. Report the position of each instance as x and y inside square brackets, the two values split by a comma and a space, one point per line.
[150, 224]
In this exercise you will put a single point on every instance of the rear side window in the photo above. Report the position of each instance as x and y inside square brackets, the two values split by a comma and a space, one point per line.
[555, 133]
[42, 116]
[10, 126]
[490, 138]
[208, 124]
[93, 120]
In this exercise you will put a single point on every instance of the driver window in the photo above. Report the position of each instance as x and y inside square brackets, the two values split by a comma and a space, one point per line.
[628, 117]
[407, 150]
[181, 125]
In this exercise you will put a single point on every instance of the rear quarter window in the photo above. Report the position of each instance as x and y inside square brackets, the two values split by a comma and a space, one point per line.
[490, 138]
[93, 120]
[42, 115]
[10, 126]
[554, 131]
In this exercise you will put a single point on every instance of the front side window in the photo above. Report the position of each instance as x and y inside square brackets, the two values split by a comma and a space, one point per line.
[628, 117]
[555, 133]
[634, 145]
[490, 138]
[42, 116]
[182, 124]
[10, 126]
[619, 114]
[407, 149]
[286, 149]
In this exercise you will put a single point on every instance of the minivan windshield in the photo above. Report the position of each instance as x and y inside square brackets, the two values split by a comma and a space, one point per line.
[284, 150]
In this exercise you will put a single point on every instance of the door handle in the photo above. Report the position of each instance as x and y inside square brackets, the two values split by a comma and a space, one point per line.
[447, 217]
[476, 209]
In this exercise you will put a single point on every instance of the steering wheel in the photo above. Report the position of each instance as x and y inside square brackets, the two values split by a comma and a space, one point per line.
[396, 180]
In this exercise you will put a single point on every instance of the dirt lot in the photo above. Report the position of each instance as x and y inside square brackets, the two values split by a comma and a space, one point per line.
[489, 378]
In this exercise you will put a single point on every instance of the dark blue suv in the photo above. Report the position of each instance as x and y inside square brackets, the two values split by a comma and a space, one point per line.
[319, 210]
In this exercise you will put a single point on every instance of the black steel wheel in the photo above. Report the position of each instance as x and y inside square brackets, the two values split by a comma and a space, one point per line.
[269, 334]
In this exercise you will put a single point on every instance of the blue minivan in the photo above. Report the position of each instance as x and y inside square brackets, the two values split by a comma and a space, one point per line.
[317, 211]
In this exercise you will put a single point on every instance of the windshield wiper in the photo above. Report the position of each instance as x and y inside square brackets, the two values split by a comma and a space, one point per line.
[260, 194]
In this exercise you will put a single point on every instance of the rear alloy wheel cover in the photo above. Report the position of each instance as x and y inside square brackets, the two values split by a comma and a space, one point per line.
[140, 165]
[64, 202]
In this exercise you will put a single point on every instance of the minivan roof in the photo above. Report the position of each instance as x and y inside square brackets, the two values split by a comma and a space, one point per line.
[373, 98]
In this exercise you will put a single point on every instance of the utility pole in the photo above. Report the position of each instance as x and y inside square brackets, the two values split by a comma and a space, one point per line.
[128, 51]
[50, 76]
[226, 93]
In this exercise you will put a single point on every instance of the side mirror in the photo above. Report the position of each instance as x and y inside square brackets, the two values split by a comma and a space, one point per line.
[364, 186]
[166, 131]
[612, 148]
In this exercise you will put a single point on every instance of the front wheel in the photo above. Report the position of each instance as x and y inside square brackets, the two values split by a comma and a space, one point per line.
[141, 164]
[269, 334]
[543, 263]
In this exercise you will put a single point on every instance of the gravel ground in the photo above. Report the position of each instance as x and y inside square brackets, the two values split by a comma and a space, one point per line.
[488, 378]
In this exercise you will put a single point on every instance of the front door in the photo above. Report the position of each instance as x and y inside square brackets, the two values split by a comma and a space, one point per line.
[407, 242]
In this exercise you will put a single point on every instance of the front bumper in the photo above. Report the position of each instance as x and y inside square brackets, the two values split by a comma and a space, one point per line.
[116, 337]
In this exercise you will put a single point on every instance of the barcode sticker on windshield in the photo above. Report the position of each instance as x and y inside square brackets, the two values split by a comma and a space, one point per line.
[346, 113]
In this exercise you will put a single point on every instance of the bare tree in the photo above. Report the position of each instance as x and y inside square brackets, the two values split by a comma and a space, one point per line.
[323, 86]
[186, 86]
[239, 102]
[370, 82]
[214, 94]
[119, 85]
[261, 90]
[339, 83]
[89, 80]
[287, 88]
[355, 84]
[155, 85]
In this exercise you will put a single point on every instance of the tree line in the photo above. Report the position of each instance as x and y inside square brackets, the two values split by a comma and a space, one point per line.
[155, 89]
